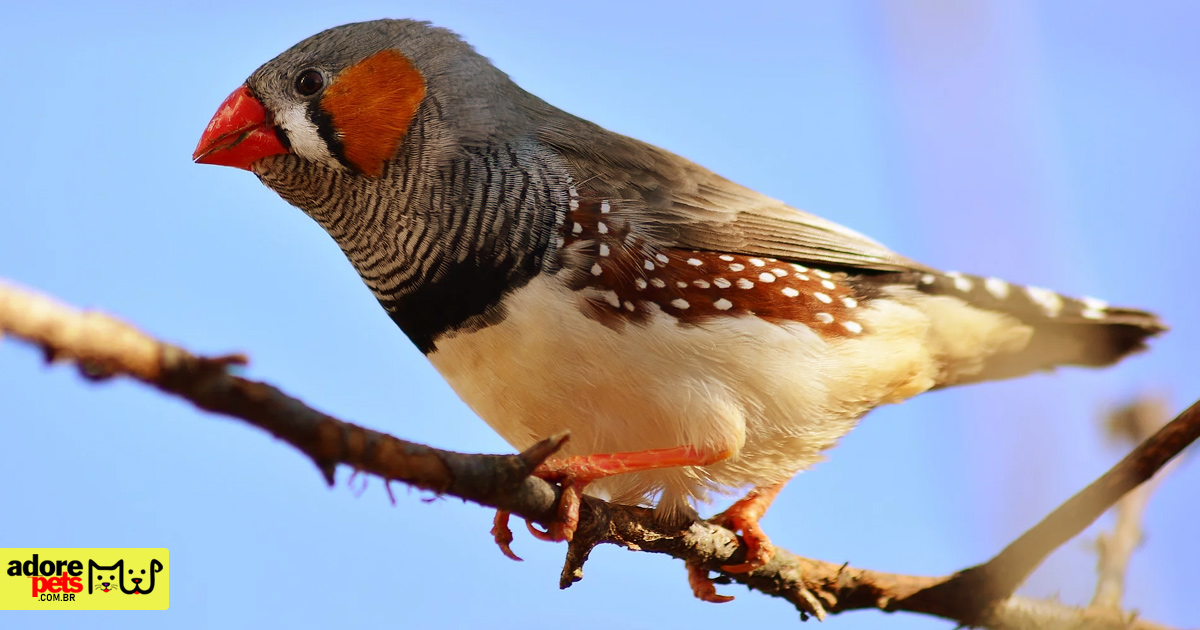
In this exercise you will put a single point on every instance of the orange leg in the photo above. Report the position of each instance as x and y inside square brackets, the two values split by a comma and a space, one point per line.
[575, 473]
[743, 516]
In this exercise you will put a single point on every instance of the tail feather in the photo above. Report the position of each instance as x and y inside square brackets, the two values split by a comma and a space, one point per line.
[1066, 330]
[1091, 344]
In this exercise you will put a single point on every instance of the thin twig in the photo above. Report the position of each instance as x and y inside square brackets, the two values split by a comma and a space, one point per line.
[1129, 424]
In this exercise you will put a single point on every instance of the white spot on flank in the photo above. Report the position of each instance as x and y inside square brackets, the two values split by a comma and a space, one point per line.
[602, 227]
[790, 292]
[828, 284]
[662, 258]
[576, 229]
[1047, 299]
[571, 190]
[961, 282]
[641, 284]
[695, 262]
[681, 284]
[574, 204]
[800, 268]
[744, 284]
[723, 304]
[703, 284]
[802, 277]
[726, 257]
[680, 303]
[596, 270]
[628, 305]
[822, 274]
[779, 272]
[928, 278]
[821, 296]
[611, 298]
[850, 302]
[657, 282]
[824, 318]
[853, 327]
[757, 262]
[604, 207]
[766, 277]
[649, 265]
[722, 283]
[737, 267]
[997, 287]
[603, 249]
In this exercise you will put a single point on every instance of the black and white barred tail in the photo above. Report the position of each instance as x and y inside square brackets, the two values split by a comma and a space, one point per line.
[1066, 331]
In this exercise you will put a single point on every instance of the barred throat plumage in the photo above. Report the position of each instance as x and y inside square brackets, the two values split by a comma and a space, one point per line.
[440, 238]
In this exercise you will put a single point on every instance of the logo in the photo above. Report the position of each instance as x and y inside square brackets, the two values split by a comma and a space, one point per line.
[83, 579]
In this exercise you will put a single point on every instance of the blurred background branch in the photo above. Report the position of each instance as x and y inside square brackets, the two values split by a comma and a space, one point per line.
[1128, 425]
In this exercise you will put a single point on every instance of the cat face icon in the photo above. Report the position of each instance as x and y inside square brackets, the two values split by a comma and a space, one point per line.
[104, 581]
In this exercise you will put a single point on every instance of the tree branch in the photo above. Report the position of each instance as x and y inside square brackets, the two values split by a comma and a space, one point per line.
[104, 347]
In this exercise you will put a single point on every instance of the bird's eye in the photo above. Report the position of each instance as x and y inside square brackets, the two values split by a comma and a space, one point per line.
[309, 82]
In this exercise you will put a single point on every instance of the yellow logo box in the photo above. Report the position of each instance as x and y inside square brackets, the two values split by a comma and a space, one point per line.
[84, 579]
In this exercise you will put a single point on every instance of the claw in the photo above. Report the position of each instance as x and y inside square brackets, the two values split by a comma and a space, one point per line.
[703, 587]
[567, 519]
[759, 550]
[743, 516]
[503, 535]
[546, 536]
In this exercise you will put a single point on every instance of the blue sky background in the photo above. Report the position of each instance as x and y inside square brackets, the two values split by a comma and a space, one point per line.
[1048, 143]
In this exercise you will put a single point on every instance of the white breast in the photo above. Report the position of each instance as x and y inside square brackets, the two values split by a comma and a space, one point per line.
[776, 395]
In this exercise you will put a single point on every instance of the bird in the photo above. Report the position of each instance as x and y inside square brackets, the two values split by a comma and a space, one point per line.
[694, 336]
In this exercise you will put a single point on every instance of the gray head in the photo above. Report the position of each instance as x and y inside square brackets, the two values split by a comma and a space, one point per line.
[347, 97]
[386, 134]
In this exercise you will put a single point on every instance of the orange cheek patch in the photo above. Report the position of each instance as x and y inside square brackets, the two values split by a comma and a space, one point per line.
[371, 105]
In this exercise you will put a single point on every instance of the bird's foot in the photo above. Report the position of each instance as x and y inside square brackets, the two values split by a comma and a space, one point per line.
[743, 516]
[703, 587]
[575, 473]
[503, 535]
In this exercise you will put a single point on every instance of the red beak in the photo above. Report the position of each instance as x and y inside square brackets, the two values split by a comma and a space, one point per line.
[238, 134]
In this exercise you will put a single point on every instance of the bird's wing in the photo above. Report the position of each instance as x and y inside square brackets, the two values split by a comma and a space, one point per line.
[685, 205]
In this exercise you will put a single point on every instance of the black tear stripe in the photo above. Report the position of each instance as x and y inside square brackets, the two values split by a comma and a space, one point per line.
[328, 133]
